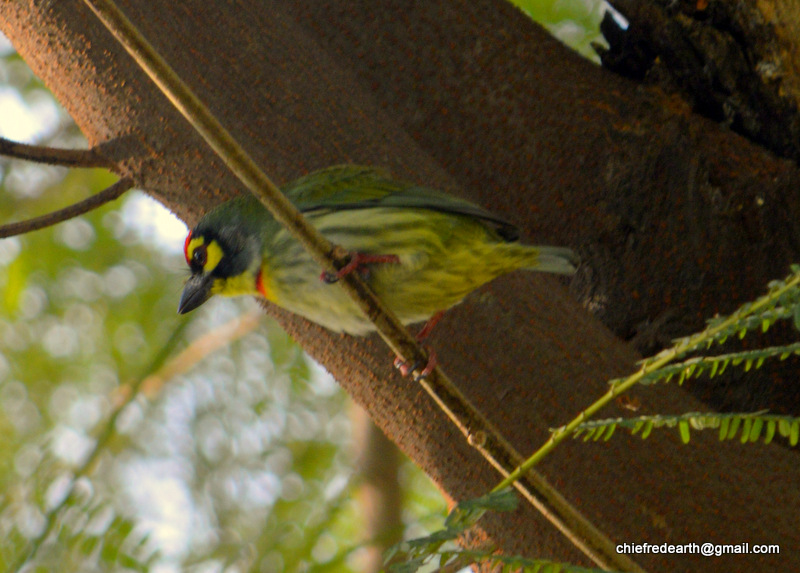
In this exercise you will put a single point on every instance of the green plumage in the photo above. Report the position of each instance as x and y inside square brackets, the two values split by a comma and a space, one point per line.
[447, 247]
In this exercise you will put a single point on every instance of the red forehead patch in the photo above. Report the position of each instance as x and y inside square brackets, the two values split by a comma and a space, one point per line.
[186, 247]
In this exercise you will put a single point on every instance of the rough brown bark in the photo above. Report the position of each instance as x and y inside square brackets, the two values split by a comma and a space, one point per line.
[736, 62]
[669, 210]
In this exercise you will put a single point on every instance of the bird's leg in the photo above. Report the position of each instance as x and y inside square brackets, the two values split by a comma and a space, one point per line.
[357, 261]
[427, 328]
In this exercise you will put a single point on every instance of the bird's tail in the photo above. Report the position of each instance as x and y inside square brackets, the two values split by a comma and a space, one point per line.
[559, 260]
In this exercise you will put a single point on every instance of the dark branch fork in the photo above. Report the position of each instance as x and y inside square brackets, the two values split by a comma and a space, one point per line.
[85, 158]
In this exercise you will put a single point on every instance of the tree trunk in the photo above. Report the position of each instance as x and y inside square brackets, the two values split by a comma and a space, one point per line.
[672, 214]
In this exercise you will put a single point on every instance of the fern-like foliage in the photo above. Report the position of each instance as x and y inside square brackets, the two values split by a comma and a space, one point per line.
[438, 549]
[781, 302]
[85, 524]
[118, 544]
[409, 556]
[86, 532]
[748, 427]
[716, 365]
[459, 559]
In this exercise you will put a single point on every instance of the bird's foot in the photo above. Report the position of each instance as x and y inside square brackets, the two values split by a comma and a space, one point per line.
[405, 368]
[424, 332]
[358, 262]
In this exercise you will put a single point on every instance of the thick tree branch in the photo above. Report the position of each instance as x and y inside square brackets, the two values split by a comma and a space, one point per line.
[735, 62]
[469, 420]
[76, 209]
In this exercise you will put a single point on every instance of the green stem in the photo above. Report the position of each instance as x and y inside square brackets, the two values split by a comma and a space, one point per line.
[684, 346]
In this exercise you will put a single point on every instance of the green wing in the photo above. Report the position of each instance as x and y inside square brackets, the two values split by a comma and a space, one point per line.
[357, 187]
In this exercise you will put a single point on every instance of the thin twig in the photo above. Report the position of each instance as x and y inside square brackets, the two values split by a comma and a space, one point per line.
[207, 344]
[468, 419]
[90, 203]
[53, 155]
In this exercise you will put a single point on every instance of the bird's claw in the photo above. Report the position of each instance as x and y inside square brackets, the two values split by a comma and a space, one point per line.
[405, 369]
[358, 262]
[328, 277]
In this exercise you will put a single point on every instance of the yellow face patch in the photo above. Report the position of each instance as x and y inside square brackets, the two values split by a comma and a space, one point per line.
[207, 256]
[235, 286]
[204, 257]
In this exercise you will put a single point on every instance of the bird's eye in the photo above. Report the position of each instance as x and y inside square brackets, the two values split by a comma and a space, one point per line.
[199, 256]
[202, 254]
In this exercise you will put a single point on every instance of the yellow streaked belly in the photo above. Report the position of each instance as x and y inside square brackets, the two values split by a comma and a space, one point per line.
[442, 258]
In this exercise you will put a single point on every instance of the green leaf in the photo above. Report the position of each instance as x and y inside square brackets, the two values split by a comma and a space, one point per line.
[409, 566]
[438, 536]
[794, 435]
[683, 427]
[755, 430]
[109, 552]
[748, 424]
[89, 544]
[16, 278]
[724, 425]
[598, 435]
[771, 425]
[129, 562]
[125, 529]
[467, 512]
[734, 427]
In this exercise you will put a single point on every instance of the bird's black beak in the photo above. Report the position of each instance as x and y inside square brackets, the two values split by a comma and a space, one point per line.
[195, 293]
